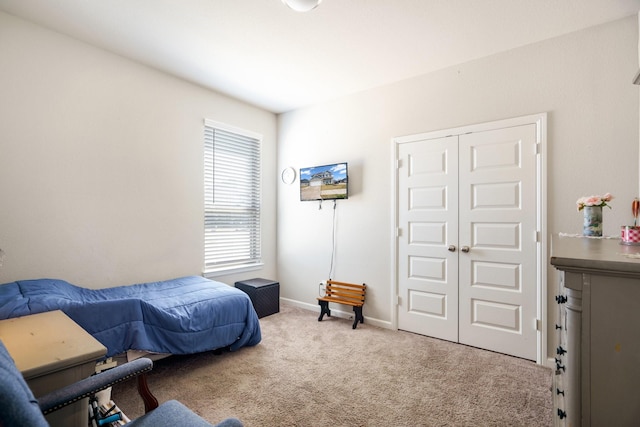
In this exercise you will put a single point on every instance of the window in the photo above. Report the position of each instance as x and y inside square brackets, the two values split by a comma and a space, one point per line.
[231, 198]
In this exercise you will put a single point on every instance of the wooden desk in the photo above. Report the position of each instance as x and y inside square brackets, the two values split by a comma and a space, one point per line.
[53, 351]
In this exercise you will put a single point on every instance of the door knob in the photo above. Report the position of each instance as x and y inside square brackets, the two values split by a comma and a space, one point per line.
[465, 249]
[451, 248]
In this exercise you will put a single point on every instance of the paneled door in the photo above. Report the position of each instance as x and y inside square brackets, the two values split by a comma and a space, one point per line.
[468, 236]
[428, 261]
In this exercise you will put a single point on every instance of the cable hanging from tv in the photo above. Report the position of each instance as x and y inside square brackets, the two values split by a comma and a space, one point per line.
[333, 240]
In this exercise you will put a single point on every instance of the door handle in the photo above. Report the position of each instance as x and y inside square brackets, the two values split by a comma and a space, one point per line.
[451, 248]
[465, 249]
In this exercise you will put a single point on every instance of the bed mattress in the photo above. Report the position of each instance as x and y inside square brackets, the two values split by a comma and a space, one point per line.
[180, 316]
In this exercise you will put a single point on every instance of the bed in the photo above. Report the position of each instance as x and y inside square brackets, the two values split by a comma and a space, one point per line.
[180, 316]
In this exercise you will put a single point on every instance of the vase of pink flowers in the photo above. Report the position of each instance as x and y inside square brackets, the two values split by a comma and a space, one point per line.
[592, 213]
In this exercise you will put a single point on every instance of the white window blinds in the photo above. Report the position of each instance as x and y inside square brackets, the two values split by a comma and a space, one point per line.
[232, 197]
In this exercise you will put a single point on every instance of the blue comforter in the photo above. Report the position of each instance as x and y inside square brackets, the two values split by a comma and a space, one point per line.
[180, 316]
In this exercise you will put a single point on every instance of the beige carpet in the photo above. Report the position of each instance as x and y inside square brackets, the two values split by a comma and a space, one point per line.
[310, 373]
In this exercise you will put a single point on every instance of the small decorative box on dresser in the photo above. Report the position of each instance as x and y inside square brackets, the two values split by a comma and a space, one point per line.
[597, 335]
[264, 294]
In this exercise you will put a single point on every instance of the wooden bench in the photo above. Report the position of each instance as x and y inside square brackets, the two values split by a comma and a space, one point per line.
[343, 293]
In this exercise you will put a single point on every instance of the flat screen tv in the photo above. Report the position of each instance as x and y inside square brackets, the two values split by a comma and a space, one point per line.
[328, 182]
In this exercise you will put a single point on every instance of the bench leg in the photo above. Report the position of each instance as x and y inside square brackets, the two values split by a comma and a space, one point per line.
[324, 309]
[359, 318]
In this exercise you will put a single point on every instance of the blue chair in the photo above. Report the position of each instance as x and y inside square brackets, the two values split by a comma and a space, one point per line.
[19, 407]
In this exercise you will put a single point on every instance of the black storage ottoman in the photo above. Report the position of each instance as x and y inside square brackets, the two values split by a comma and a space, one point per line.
[264, 294]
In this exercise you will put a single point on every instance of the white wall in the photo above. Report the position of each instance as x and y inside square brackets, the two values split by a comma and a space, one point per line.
[583, 81]
[101, 176]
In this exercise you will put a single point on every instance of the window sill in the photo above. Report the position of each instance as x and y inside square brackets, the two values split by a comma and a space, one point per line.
[231, 270]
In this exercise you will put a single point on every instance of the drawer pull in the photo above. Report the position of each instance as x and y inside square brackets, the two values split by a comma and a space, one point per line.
[558, 392]
[560, 350]
[561, 299]
[562, 414]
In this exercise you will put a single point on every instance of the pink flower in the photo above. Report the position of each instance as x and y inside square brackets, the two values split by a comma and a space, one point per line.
[594, 201]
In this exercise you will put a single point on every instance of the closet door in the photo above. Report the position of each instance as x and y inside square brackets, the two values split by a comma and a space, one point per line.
[498, 223]
[467, 246]
[427, 255]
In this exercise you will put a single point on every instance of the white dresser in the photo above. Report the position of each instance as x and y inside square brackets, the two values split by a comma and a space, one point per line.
[597, 381]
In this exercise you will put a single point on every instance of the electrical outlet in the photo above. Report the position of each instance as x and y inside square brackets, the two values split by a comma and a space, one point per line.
[322, 286]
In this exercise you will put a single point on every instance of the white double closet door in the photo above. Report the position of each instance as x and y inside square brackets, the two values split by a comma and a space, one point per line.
[468, 236]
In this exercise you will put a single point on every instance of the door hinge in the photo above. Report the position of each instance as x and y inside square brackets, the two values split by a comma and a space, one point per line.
[536, 236]
[538, 148]
[537, 324]
[397, 299]
[398, 232]
[398, 163]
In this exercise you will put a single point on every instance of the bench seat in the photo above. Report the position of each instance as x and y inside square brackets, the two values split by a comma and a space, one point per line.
[343, 293]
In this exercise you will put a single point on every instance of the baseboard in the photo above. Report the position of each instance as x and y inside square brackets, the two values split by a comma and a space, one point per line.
[338, 312]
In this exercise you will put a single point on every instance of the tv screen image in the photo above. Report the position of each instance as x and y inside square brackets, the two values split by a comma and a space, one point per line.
[328, 182]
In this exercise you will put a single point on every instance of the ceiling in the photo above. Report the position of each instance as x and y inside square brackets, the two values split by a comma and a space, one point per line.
[266, 54]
